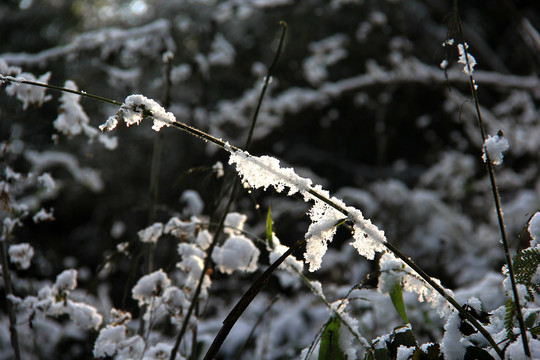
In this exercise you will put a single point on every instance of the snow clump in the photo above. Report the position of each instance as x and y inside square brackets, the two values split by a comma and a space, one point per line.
[494, 146]
[468, 62]
[237, 253]
[21, 255]
[134, 109]
[149, 286]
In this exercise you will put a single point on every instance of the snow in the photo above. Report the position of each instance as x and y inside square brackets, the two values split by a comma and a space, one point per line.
[8, 227]
[234, 223]
[265, 171]
[47, 181]
[193, 204]
[453, 345]
[29, 94]
[325, 52]
[515, 350]
[320, 232]
[221, 52]
[112, 340]
[43, 215]
[151, 234]
[66, 280]
[134, 109]
[204, 239]
[149, 286]
[49, 158]
[180, 73]
[494, 146]
[72, 119]
[391, 269]
[237, 253]
[218, 168]
[469, 62]
[368, 239]
[21, 255]
[404, 353]
[534, 229]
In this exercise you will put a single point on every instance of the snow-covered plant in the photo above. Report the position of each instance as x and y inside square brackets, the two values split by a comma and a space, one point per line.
[171, 261]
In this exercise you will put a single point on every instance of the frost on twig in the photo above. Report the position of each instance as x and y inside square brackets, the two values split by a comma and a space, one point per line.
[468, 62]
[394, 270]
[494, 146]
[265, 171]
[134, 109]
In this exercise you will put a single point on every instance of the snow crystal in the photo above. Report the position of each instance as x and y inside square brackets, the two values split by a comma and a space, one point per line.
[234, 223]
[534, 229]
[135, 108]
[30, 94]
[67, 280]
[151, 234]
[391, 272]
[469, 62]
[43, 215]
[265, 171]
[368, 239]
[320, 232]
[21, 255]
[494, 146]
[109, 125]
[149, 286]
[237, 253]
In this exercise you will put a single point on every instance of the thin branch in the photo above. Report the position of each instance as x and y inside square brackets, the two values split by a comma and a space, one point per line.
[266, 82]
[246, 299]
[495, 192]
[11, 79]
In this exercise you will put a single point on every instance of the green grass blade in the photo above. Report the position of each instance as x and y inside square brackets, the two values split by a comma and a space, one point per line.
[269, 230]
[329, 348]
[396, 294]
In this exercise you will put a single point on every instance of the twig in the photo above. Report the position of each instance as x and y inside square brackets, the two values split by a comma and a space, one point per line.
[246, 299]
[495, 192]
